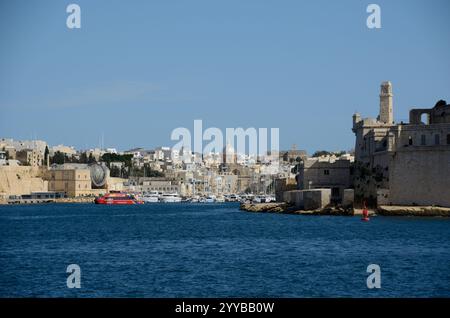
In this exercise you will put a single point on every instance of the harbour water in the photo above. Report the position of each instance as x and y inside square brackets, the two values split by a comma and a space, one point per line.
[216, 250]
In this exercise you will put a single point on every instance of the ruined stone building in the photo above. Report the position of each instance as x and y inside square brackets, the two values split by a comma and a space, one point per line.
[405, 163]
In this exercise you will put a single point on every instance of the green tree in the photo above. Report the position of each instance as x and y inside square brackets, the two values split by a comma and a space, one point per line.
[46, 154]
[115, 172]
[83, 157]
[329, 153]
[113, 157]
[58, 158]
[322, 153]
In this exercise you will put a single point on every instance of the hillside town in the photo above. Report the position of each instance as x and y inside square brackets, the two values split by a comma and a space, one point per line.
[404, 164]
[35, 170]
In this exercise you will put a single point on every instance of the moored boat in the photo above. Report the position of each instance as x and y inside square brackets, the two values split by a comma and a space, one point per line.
[210, 199]
[170, 197]
[117, 198]
[151, 197]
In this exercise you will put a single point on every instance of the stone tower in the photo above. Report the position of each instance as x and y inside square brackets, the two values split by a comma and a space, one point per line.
[386, 106]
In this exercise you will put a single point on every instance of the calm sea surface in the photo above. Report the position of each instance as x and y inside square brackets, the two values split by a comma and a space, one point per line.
[215, 250]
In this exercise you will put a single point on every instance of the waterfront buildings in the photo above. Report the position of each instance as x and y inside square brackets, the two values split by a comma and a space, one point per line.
[72, 182]
[77, 180]
[403, 163]
[331, 172]
[389, 157]
[157, 184]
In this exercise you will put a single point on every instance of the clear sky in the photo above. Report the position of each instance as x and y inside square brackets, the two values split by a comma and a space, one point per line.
[138, 69]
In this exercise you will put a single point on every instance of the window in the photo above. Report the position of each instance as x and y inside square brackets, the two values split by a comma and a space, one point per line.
[326, 172]
[437, 139]
[448, 139]
[423, 140]
[410, 141]
[424, 119]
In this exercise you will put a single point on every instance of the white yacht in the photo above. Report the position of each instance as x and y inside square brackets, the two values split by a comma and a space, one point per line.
[259, 199]
[232, 198]
[246, 198]
[210, 199]
[170, 197]
[263, 199]
[151, 197]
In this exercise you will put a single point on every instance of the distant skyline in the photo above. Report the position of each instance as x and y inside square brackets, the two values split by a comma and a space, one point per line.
[136, 70]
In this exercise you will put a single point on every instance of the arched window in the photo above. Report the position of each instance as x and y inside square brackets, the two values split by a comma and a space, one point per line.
[424, 119]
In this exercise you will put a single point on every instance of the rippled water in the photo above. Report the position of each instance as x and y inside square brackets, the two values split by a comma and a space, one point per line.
[215, 250]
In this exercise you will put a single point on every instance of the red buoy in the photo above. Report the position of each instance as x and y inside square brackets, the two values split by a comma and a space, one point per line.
[365, 213]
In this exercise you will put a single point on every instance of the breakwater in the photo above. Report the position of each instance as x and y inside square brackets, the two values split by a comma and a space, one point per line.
[284, 208]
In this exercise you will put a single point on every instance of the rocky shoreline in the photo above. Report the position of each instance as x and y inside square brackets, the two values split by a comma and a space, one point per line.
[413, 211]
[284, 208]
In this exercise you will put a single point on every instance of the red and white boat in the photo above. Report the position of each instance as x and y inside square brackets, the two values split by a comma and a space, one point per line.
[118, 198]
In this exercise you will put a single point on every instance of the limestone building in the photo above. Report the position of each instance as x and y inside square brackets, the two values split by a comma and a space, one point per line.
[75, 179]
[326, 172]
[73, 182]
[159, 184]
[30, 157]
[405, 163]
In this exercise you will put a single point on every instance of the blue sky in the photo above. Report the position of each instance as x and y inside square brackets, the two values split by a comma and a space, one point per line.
[138, 69]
